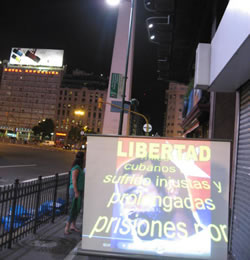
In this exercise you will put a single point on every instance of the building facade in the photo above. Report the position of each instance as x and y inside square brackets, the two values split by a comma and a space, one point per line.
[174, 98]
[28, 95]
[225, 73]
[31, 92]
[80, 92]
[196, 114]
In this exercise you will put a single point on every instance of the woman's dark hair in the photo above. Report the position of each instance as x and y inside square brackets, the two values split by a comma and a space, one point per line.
[79, 160]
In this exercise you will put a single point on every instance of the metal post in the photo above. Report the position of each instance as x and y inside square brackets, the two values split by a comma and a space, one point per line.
[37, 202]
[127, 62]
[54, 200]
[67, 195]
[12, 220]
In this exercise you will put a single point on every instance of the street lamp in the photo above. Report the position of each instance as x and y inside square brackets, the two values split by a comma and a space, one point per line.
[79, 112]
[116, 2]
[113, 2]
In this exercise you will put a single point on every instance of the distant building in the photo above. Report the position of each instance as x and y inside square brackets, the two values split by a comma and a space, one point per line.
[174, 98]
[3, 64]
[80, 91]
[32, 91]
[136, 121]
[28, 90]
[196, 114]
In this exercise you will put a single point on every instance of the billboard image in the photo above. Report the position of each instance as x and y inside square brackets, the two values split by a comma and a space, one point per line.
[36, 57]
[157, 197]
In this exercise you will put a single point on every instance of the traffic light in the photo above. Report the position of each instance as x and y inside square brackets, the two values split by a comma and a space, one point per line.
[100, 101]
[134, 102]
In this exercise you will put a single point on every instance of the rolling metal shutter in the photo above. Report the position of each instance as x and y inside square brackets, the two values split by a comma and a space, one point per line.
[241, 211]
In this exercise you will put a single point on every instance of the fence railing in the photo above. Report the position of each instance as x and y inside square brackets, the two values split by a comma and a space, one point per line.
[25, 206]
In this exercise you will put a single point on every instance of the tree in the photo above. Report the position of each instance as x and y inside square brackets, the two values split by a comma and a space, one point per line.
[45, 128]
[74, 134]
[36, 129]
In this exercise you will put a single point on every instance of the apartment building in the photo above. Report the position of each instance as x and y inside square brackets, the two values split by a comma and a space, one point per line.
[79, 92]
[28, 92]
[174, 97]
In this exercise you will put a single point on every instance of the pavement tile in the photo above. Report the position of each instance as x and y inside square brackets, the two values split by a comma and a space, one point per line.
[49, 243]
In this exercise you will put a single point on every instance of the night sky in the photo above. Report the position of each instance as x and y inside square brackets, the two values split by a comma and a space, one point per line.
[85, 30]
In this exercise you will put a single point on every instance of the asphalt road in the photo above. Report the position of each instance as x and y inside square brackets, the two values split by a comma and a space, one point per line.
[26, 162]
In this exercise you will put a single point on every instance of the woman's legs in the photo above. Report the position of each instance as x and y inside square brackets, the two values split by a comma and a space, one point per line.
[71, 222]
[71, 216]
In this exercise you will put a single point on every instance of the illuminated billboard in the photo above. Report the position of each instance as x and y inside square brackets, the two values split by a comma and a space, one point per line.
[36, 57]
[155, 197]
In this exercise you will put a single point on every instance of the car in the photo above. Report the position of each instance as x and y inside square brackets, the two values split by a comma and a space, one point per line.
[67, 147]
[49, 143]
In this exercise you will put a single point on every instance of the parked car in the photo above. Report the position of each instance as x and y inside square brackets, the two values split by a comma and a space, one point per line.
[67, 147]
[49, 143]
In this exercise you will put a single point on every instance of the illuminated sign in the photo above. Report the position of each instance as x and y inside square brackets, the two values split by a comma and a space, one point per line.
[61, 134]
[36, 57]
[160, 197]
[32, 71]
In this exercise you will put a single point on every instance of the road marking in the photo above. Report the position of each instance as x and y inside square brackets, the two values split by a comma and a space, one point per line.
[16, 166]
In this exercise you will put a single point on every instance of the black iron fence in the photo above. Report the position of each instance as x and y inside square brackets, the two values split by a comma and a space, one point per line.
[25, 206]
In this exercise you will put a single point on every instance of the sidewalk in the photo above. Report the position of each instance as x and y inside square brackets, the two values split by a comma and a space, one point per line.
[49, 243]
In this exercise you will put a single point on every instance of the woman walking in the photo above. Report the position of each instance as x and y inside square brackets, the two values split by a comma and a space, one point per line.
[77, 176]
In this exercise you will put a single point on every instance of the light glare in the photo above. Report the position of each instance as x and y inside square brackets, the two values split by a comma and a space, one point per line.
[79, 112]
[152, 37]
[150, 25]
[113, 2]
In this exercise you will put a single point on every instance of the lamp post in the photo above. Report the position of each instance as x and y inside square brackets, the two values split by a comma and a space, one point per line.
[80, 113]
[132, 9]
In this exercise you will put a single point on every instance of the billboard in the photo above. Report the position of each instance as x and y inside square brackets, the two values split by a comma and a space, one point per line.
[36, 57]
[156, 197]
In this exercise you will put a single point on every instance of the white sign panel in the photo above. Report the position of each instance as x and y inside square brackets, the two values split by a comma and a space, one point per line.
[165, 198]
[147, 128]
[36, 57]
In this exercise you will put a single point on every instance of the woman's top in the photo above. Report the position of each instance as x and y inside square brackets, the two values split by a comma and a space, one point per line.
[80, 178]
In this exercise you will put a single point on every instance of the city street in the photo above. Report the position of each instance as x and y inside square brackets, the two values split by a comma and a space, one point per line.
[25, 162]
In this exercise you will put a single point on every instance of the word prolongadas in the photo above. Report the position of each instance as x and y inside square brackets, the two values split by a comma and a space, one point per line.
[167, 203]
